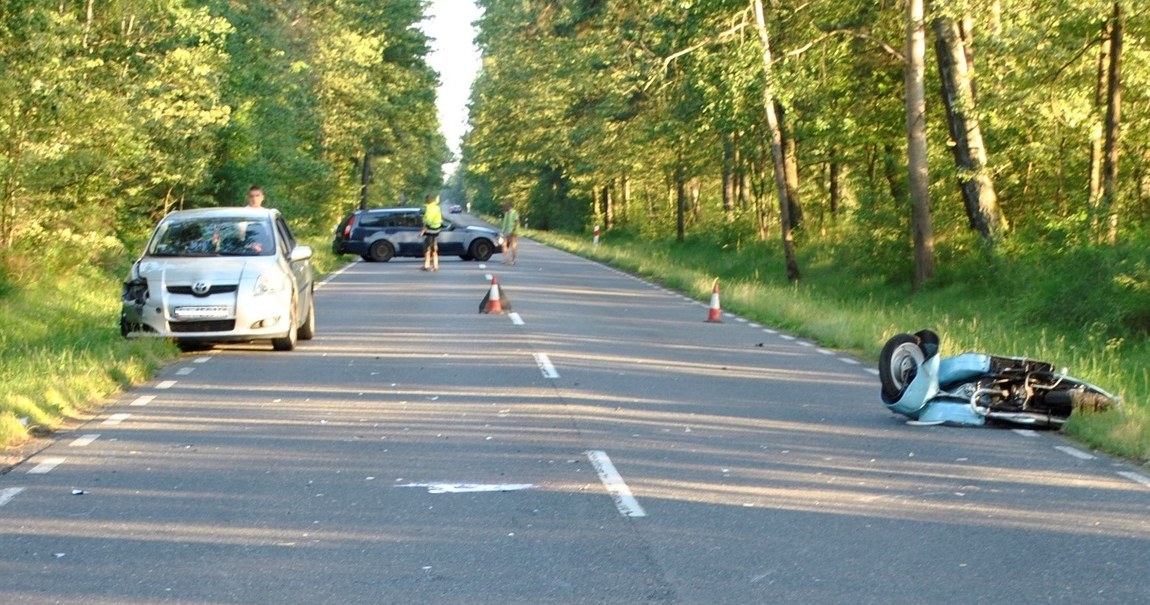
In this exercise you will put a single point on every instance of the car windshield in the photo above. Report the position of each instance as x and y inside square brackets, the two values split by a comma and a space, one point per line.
[213, 237]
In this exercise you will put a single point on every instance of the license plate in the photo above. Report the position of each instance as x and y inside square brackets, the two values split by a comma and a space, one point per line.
[200, 313]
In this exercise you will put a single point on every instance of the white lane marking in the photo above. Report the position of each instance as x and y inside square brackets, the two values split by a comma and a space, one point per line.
[1026, 432]
[143, 400]
[84, 441]
[204, 359]
[545, 366]
[786, 337]
[488, 277]
[184, 371]
[740, 320]
[1135, 477]
[849, 361]
[769, 331]
[469, 488]
[515, 319]
[45, 466]
[825, 352]
[755, 325]
[1081, 455]
[167, 384]
[7, 494]
[620, 493]
[872, 371]
[116, 419]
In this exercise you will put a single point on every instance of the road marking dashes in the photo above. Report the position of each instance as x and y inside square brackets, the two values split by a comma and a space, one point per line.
[45, 466]
[184, 371]
[624, 500]
[84, 441]
[1081, 455]
[167, 384]
[143, 400]
[515, 319]
[8, 493]
[1135, 477]
[545, 366]
[117, 419]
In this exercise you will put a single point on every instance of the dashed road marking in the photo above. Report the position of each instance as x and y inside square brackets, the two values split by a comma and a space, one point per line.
[545, 366]
[83, 441]
[46, 465]
[515, 319]
[1081, 455]
[849, 361]
[116, 419]
[1026, 432]
[1135, 477]
[185, 371]
[204, 359]
[624, 500]
[8, 493]
[167, 384]
[143, 400]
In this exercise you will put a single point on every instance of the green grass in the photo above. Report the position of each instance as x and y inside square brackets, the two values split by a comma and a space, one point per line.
[842, 306]
[61, 353]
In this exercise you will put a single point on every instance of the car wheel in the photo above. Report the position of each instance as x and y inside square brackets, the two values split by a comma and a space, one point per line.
[307, 330]
[381, 251]
[481, 250]
[898, 365]
[287, 343]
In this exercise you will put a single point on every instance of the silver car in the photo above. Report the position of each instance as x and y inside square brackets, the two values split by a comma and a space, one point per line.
[221, 275]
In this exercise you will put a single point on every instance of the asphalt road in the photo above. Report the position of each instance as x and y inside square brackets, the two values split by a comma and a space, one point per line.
[601, 443]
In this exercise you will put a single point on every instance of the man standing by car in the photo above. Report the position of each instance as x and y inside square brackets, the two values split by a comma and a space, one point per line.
[510, 229]
[255, 197]
[432, 223]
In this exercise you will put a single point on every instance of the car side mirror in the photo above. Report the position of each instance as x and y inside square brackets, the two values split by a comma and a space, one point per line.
[301, 253]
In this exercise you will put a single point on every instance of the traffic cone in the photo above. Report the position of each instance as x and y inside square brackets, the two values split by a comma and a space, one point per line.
[715, 315]
[494, 301]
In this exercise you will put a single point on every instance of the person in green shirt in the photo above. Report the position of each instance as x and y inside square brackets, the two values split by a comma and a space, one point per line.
[432, 223]
[509, 227]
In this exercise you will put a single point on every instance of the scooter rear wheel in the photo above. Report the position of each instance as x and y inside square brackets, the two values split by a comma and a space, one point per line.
[898, 365]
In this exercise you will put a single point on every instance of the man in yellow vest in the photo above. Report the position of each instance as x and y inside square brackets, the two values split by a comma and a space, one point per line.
[432, 223]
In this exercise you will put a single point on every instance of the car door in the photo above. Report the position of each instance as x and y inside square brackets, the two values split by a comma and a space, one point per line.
[298, 259]
[406, 235]
[452, 240]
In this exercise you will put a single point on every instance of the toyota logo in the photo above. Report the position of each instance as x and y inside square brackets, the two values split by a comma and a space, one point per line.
[201, 288]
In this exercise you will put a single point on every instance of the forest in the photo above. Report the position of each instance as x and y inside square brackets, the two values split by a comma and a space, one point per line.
[992, 153]
[969, 126]
[113, 113]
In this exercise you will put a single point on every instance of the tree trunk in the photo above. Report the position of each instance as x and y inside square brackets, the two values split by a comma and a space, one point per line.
[1113, 129]
[680, 203]
[916, 144]
[1101, 88]
[791, 163]
[364, 179]
[776, 138]
[970, 157]
[728, 172]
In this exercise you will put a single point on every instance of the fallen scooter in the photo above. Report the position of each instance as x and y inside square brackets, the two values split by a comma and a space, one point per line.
[974, 389]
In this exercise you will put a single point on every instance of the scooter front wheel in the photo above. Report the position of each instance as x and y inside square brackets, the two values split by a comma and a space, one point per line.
[898, 365]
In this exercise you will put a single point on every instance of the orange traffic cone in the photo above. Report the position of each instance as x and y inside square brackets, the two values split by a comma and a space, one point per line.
[494, 301]
[715, 315]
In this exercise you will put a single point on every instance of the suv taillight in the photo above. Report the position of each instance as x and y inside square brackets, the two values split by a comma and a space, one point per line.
[350, 224]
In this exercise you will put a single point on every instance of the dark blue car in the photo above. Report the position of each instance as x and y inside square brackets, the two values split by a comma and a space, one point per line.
[380, 234]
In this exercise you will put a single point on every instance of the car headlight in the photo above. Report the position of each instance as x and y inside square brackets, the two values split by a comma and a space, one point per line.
[269, 283]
